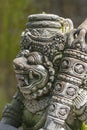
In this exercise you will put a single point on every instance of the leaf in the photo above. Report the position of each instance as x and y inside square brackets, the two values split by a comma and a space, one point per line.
[84, 127]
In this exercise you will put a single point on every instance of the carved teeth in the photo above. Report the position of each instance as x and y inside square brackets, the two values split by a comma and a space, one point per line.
[30, 74]
[40, 92]
[34, 96]
[26, 82]
[45, 90]
[34, 89]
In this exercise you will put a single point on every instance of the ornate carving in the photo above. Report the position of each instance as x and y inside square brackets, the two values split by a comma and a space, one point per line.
[37, 62]
[37, 66]
[48, 46]
[66, 87]
[34, 80]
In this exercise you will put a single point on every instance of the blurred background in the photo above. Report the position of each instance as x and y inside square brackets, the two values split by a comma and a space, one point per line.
[13, 18]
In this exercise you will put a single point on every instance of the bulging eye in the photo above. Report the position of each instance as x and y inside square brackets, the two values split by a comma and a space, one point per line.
[34, 58]
[31, 60]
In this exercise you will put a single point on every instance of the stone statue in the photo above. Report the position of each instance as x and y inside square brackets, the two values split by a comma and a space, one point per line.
[69, 99]
[51, 74]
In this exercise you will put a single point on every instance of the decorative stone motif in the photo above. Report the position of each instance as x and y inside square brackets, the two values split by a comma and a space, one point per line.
[65, 64]
[63, 111]
[58, 87]
[51, 69]
[79, 68]
[71, 91]
[70, 70]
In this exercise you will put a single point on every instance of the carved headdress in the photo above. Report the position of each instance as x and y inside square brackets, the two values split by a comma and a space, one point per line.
[45, 32]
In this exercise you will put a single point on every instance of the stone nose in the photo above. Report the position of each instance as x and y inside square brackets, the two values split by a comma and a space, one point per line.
[18, 63]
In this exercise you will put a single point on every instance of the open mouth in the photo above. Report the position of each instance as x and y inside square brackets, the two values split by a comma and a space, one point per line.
[22, 79]
[28, 80]
[26, 77]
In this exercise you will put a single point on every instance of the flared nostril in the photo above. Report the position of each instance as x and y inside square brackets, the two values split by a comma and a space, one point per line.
[17, 65]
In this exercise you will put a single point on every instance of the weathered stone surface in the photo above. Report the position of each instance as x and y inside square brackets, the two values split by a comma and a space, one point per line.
[7, 127]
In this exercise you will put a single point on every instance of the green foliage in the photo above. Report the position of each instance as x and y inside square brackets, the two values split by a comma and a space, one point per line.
[84, 127]
[12, 22]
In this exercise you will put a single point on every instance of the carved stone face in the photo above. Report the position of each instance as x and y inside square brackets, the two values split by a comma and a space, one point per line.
[44, 41]
[32, 76]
